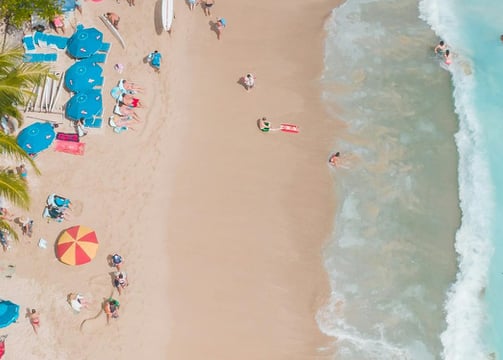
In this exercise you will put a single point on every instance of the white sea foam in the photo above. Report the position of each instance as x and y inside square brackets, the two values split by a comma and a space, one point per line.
[465, 305]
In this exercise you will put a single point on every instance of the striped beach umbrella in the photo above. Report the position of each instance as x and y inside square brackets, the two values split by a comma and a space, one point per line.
[77, 245]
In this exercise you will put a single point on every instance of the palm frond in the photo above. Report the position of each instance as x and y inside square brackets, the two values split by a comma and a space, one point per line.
[14, 189]
[5, 225]
[10, 148]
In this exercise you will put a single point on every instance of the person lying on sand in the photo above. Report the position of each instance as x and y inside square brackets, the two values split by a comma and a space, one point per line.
[131, 101]
[113, 18]
[129, 87]
[124, 110]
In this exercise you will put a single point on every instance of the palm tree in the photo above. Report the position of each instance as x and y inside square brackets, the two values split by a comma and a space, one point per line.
[16, 81]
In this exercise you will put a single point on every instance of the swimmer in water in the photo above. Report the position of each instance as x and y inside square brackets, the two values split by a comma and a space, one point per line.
[334, 158]
[440, 48]
[447, 57]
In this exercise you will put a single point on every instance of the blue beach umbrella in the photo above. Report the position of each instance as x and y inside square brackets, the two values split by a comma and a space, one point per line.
[84, 42]
[83, 75]
[84, 105]
[36, 137]
[9, 312]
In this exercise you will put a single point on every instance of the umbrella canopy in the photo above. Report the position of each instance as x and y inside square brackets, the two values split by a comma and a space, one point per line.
[84, 105]
[9, 312]
[84, 42]
[77, 245]
[83, 75]
[36, 137]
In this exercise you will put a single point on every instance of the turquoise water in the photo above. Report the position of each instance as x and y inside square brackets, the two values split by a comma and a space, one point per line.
[413, 260]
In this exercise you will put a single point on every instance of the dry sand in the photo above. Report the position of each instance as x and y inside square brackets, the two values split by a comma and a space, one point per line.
[221, 226]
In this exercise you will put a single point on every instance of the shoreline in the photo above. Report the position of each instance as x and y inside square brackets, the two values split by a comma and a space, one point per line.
[221, 226]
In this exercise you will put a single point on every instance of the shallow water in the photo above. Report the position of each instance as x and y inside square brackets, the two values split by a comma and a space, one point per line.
[391, 257]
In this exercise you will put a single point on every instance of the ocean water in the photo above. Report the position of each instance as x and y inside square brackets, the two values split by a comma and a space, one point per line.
[415, 266]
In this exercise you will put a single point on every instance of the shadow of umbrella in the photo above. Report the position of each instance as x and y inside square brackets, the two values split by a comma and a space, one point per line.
[36, 137]
[85, 105]
[83, 75]
[9, 312]
[84, 42]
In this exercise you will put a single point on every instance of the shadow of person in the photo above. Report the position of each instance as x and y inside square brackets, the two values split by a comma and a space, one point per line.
[213, 26]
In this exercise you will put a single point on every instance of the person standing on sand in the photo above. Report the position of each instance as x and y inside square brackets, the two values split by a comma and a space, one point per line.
[116, 260]
[192, 4]
[111, 308]
[249, 81]
[34, 317]
[207, 6]
[155, 58]
[221, 23]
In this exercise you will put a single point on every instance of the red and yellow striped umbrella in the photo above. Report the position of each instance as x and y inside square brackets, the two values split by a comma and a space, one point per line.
[77, 245]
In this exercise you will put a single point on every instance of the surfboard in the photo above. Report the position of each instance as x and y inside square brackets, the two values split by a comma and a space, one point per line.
[168, 13]
[113, 30]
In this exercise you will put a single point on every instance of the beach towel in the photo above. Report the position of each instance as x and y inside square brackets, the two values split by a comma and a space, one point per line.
[69, 147]
[67, 136]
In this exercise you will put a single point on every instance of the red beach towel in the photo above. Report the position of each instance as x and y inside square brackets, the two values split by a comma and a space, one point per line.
[69, 147]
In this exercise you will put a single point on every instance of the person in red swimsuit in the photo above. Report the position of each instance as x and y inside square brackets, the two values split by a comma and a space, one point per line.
[131, 101]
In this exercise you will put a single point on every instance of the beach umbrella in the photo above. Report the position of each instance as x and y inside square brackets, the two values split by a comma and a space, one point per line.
[84, 105]
[36, 137]
[84, 42]
[77, 245]
[9, 312]
[83, 75]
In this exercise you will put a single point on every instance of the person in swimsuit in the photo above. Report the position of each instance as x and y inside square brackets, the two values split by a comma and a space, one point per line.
[447, 57]
[111, 308]
[120, 281]
[5, 214]
[129, 87]
[59, 23]
[264, 125]
[34, 317]
[334, 159]
[192, 4]
[220, 26]
[131, 101]
[113, 18]
[116, 260]
[22, 172]
[440, 48]
[207, 6]
[249, 81]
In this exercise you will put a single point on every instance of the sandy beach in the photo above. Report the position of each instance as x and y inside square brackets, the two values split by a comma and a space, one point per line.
[221, 226]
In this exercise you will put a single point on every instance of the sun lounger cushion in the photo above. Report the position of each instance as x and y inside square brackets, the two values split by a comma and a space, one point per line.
[29, 43]
[105, 47]
[98, 58]
[32, 57]
[94, 122]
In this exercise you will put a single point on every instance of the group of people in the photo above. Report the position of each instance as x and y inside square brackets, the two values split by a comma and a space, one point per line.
[125, 95]
[57, 208]
[443, 50]
[120, 282]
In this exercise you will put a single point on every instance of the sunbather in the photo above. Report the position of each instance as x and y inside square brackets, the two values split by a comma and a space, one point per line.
[130, 101]
[129, 87]
[113, 18]
[124, 110]
[59, 23]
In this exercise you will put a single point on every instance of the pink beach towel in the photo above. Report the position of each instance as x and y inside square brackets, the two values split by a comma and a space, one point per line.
[69, 147]
[67, 137]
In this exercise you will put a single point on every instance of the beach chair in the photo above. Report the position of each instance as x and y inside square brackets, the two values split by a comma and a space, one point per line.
[33, 58]
[98, 58]
[95, 122]
[105, 47]
[28, 43]
[56, 41]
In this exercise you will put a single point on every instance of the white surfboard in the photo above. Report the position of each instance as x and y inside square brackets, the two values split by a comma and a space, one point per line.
[168, 13]
[114, 31]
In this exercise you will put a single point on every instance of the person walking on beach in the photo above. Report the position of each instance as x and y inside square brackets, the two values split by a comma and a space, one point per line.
[440, 48]
[221, 23]
[207, 5]
[192, 4]
[120, 281]
[116, 260]
[249, 81]
[155, 58]
[34, 317]
[111, 308]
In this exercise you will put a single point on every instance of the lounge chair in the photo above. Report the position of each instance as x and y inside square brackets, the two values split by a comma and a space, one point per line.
[32, 57]
[94, 122]
[117, 129]
[29, 43]
[55, 41]
[98, 58]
